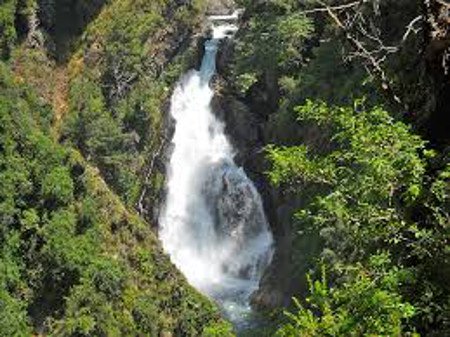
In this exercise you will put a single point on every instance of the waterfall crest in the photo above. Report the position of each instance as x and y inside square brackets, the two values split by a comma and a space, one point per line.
[213, 224]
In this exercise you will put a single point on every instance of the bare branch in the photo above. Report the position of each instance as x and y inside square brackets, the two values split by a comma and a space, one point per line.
[373, 63]
[155, 154]
[334, 8]
[410, 28]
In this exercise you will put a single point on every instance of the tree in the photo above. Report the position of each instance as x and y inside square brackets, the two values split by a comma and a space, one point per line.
[57, 186]
[367, 303]
[372, 194]
[7, 28]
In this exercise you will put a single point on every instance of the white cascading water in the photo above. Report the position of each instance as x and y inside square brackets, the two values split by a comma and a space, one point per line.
[213, 225]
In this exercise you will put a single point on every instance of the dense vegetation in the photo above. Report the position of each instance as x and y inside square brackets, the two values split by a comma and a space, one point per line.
[372, 178]
[382, 220]
[119, 81]
[353, 100]
[74, 260]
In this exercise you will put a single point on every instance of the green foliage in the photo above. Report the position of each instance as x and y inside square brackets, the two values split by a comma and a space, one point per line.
[57, 186]
[367, 304]
[88, 313]
[13, 316]
[219, 330]
[245, 81]
[8, 32]
[13, 14]
[274, 41]
[329, 78]
[64, 249]
[361, 180]
[108, 277]
[289, 161]
[372, 193]
[99, 136]
[373, 167]
[119, 82]
[146, 315]
[74, 260]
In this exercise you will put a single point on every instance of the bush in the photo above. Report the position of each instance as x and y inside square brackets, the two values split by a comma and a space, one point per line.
[367, 303]
[57, 186]
[108, 277]
[372, 194]
[13, 316]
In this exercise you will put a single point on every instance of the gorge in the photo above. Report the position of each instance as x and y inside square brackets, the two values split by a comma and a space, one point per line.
[213, 225]
[173, 168]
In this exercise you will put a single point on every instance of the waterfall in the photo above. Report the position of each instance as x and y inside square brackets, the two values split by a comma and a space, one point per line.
[213, 224]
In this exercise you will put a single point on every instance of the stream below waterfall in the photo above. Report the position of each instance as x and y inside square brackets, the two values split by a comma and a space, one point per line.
[213, 224]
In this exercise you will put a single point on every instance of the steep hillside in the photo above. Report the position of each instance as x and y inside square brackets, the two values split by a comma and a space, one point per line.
[108, 72]
[77, 259]
[338, 112]
[119, 81]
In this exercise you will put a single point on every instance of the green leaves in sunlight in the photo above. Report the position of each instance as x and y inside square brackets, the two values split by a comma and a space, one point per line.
[369, 192]
[274, 39]
[367, 304]
[74, 261]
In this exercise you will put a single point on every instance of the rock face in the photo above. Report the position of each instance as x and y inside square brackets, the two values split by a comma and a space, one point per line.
[220, 7]
[282, 279]
[250, 127]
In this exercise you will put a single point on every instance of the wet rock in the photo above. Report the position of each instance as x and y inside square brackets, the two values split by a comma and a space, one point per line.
[251, 124]
[266, 300]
